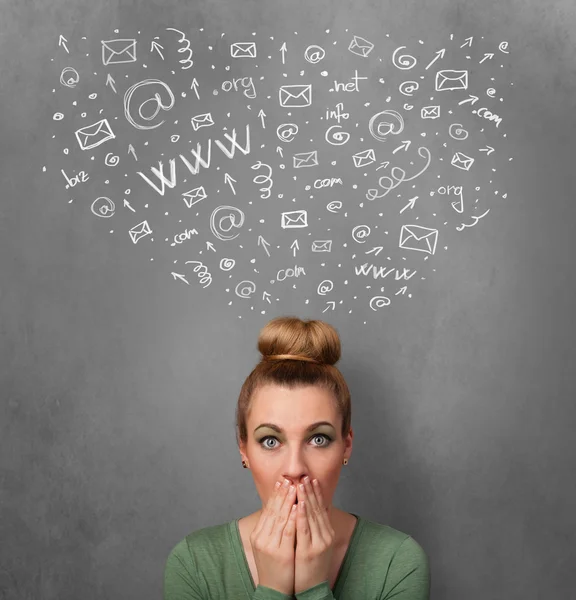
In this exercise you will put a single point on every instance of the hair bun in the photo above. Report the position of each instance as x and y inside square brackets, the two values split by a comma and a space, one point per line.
[314, 340]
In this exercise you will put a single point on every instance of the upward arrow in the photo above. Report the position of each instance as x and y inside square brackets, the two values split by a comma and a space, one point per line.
[110, 81]
[157, 47]
[283, 50]
[62, 41]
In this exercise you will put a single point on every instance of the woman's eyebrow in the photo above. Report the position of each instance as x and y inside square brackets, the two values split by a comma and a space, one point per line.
[280, 430]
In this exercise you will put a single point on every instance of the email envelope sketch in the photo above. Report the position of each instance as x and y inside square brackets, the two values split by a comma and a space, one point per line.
[139, 231]
[364, 158]
[462, 161]
[322, 246]
[204, 120]
[430, 112]
[305, 159]
[117, 52]
[295, 218]
[360, 46]
[295, 96]
[93, 135]
[415, 237]
[243, 50]
[194, 196]
[451, 80]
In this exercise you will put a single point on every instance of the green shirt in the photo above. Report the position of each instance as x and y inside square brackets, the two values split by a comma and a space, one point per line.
[381, 563]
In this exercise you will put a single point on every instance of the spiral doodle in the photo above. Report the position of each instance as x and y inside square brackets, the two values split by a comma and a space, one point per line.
[202, 272]
[174, 138]
[503, 47]
[491, 92]
[263, 179]
[186, 48]
[379, 302]
[360, 232]
[69, 77]
[287, 132]
[314, 54]
[457, 132]
[103, 207]
[408, 88]
[230, 217]
[247, 290]
[339, 138]
[111, 160]
[404, 61]
[324, 287]
[227, 264]
[58, 116]
[384, 127]
[334, 206]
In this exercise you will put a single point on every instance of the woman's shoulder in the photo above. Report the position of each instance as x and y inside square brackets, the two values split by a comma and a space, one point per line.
[204, 537]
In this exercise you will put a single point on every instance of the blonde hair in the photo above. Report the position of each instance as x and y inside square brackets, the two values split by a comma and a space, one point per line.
[318, 343]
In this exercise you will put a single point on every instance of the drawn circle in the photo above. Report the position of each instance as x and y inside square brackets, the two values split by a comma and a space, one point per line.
[503, 47]
[379, 302]
[408, 107]
[83, 115]
[58, 116]
[404, 61]
[384, 127]
[324, 287]
[227, 264]
[491, 92]
[457, 132]
[249, 288]
[339, 138]
[174, 138]
[93, 96]
[69, 77]
[155, 99]
[408, 88]
[65, 150]
[360, 232]
[111, 160]
[230, 217]
[287, 132]
[314, 54]
[103, 207]
[334, 206]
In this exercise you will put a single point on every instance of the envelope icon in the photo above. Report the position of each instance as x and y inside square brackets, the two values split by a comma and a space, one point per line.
[364, 158]
[360, 46]
[422, 239]
[322, 246]
[451, 80]
[94, 135]
[204, 120]
[462, 161]
[295, 218]
[430, 112]
[305, 159]
[194, 196]
[243, 50]
[295, 96]
[139, 231]
[116, 52]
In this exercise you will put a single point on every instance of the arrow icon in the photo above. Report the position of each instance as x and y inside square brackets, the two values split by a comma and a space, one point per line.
[295, 246]
[468, 41]
[110, 81]
[471, 98]
[262, 242]
[262, 114]
[383, 165]
[439, 54]
[62, 41]
[283, 50]
[266, 296]
[194, 87]
[328, 303]
[402, 290]
[486, 56]
[179, 276]
[280, 151]
[127, 205]
[131, 149]
[209, 245]
[156, 46]
[410, 204]
[488, 149]
[229, 180]
[405, 145]
[378, 249]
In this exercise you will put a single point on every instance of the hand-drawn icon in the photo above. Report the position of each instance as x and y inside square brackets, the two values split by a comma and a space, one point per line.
[364, 158]
[430, 112]
[324, 287]
[405, 61]
[295, 96]
[503, 47]
[116, 52]
[306, 159]
[379, 302]
[230, 217]
[384, 126]
[193, 196]
[69, 77]
[451, 80]
[334, 206]
[491, 92]
[243, 50]
[156, 98]
[103, 207]
[408, 88]
[360, 46]
[263, 180]
[338, 138]
[295, 218]
[360, 232]
[58, 116]
[92, 136]
[314, 54]
[204, 120]
[415, 237]
[322, 246]
[202, 272]
[185, 61]
[457, 132]
[245, 289]
[287, 132]
[139, 231]
[227, 264]
[111, 160]
[462, 161]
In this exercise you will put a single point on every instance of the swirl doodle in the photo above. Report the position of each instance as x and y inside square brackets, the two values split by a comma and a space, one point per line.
[334, 206]
[287, 132]
[324, 287]
[183, 39]
[202, 272]
[58, 116]
[69, 77]
[157, 99]
[263, 179]
[409, 87]
[314, 54]
[475, 219]
[111, 160]
[339, 138]
[227, 264]
[360, 232]
[404, 61]
[457, 132]
[230, 217]
[249, 288]
[503, 47]
[103, 207]
[379, 302]
[385, 127]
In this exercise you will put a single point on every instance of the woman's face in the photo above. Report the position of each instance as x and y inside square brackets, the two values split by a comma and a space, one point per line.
[296, 449]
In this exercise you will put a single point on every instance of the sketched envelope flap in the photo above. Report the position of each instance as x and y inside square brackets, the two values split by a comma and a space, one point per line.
[202, 121]
[322, 246]
[462, 161]
[305, 159]
[360, 46]
[366, 157]
[139, 231]
[416, 237]
[295, 96]
[94, 135]
[243, 50]
[451, 80]
[430, 112]
[193, 196]
[295, 218]
[115, 52]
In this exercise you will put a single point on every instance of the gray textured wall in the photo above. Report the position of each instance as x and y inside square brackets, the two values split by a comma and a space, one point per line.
[119, 380]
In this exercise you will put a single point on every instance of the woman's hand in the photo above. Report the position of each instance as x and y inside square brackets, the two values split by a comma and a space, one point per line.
[315, 539]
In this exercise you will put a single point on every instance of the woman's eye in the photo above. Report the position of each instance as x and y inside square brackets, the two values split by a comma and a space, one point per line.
[327, 440]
